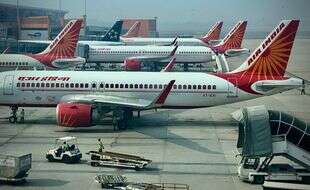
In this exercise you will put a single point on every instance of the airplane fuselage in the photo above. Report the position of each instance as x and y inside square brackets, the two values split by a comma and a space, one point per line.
[46, 88]
[117, 54]
[162, 41]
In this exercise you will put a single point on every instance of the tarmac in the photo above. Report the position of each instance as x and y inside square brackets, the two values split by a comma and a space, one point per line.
[195, 147]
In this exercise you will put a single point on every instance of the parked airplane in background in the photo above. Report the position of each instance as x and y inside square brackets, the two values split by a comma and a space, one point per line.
[82, 97]
[59, 54]
[134, 56]
[111, 38]
[211, 37]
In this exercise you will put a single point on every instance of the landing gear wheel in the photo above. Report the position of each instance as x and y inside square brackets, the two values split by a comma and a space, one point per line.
[66, 159]
[12, 119]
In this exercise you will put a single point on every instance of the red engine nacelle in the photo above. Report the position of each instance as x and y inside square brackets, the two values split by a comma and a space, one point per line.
[132, 65]
[74, 115]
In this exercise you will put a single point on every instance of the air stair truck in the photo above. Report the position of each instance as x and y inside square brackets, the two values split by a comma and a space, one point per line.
[266, 134]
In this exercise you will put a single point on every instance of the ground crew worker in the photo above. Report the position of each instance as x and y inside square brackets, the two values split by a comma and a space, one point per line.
[65, 146]
[114, 122]
[22, 116]
[303, 88]
[101, 147]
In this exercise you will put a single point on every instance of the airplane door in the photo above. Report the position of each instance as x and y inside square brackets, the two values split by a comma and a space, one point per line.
[8, 85]
[232, 89]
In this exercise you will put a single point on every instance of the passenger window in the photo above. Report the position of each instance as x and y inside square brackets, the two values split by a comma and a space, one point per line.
[175, 86]
[86, 85]
[195, 87]
[38, 85]
[111, 85]
[131, 86]
[57, 85]
[71, 85]
[214, 87]
[93, 85]
[209, 87]
[155, 86]
[18, 84]
[179, 86]
[62, 85]
[42, 85]
[28, 84]
[81, 85]
[47, 85]
[151, 86]
[121, 85]
[160, 86]
[204, 87]
[23, 84]
[184, 87]
[106, 85]
[136, 85]
[67, 85]
[199, 87]
[76, 85]
[189, 86]
[126, 85]
[116, 85]
[141, 86]
[52, 85]
[145, 86]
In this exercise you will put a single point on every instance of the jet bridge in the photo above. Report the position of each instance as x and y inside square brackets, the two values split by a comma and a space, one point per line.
[269, 133]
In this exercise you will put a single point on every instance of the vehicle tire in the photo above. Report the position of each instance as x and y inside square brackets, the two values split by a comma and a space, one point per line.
[95, 164]
[66, 159]
[50, 158]
[12, 119]
[259, 179]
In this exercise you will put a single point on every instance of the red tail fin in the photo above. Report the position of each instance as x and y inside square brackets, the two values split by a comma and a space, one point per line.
[64, 45]
[214, 33]
[270, 59]
[133, 31]
[233, 39]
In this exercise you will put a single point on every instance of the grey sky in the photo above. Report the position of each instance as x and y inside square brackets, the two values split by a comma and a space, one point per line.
[193, 15]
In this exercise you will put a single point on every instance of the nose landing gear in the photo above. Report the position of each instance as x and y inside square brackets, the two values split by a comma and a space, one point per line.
[13, 117]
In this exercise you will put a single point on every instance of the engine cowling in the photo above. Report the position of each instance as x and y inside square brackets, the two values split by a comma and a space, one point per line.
[75, 115]
[236, 52]
[132, 65]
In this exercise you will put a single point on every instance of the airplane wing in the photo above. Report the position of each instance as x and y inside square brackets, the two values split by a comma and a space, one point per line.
[119, 101]
[36, 41]
[153, 58]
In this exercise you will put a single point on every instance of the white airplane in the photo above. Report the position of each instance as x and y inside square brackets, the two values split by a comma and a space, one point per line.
[111, 38]
[134, 56]
[58, 55]
[81, 97]
[211, 37]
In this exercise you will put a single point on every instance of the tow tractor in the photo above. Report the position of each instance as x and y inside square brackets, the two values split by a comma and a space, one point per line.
[114, 159]
[65, 150]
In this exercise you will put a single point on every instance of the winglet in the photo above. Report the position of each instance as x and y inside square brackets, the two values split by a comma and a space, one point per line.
[6, 50]
[175, 41]
[161, 98]
[174, 51]
[170, 65]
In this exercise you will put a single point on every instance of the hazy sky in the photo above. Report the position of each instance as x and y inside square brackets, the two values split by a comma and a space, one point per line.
[185, 15]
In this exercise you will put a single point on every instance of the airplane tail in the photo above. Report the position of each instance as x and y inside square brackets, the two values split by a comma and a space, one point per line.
[64, 45]
[133, 31]
[264, 70]
[214, 33]
[233, 39]
[270, 59]
[114, 33]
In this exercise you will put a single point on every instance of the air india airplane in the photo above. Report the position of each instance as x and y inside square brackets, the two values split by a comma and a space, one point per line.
[211, 37]
[58, 55]
[82, 98]
[134, 56]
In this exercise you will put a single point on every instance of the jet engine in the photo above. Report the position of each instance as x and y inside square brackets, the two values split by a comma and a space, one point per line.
[132, 65]
[76, 115]
[236, 52]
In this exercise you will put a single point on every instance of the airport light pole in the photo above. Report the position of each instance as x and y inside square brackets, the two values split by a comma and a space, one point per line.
[18, 24]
